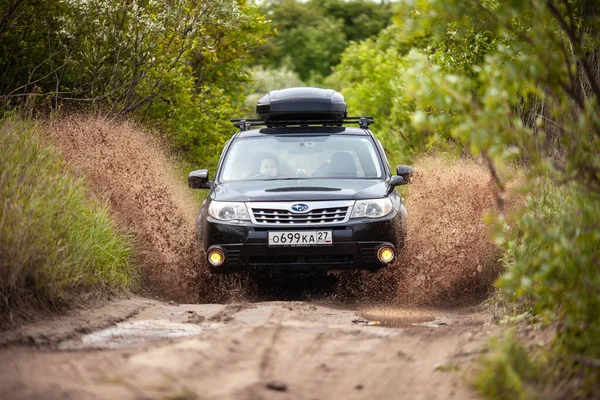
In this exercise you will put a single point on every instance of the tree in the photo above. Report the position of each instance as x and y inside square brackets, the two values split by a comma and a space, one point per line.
[310, 36]
[508, 80]
[362, 19]
[534, 96]
[177, 64]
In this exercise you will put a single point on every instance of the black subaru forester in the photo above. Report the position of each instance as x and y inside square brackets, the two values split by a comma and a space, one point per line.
[304, 194]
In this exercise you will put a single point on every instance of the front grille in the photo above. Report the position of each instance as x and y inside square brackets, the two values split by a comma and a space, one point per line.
[316, 216]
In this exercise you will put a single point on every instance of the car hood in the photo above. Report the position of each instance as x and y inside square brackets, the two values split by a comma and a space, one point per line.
[301, 190]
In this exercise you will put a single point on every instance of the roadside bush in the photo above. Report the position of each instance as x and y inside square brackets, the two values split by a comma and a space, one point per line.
[517, 83]
[54, 239]
[505, 369]
[552, 260]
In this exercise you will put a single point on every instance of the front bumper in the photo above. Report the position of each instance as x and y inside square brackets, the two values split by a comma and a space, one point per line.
[355, 245]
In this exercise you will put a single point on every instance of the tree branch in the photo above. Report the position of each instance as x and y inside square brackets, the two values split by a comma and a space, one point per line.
[494, 173]
[577, 50]
[10, 10]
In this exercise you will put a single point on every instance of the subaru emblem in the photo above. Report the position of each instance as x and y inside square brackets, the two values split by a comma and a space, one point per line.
[299, 207]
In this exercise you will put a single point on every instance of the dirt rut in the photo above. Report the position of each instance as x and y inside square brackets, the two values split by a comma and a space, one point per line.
[265, 350]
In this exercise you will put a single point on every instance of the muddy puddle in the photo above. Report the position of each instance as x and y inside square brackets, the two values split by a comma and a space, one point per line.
[171, 322]
[395, 318]
[131, 333]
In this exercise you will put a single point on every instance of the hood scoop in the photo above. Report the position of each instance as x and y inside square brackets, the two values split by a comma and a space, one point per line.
[304, 189]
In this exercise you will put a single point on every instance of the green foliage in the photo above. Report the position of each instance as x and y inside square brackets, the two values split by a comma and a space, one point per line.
[505, 369]
[510, 80]
[531, 98]
[310, 36]
[361, 19]
[370, 78]
[263, 80]
[195, 113]
[26, 48]
[552, 259]
[378, 78]
[53, 238]
[534, 94]
[178, 64]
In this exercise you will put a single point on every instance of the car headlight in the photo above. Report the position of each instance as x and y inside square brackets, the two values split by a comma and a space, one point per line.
[228, 211]
[373, 208]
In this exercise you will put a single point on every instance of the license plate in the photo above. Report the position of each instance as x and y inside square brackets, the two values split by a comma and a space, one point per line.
[300, 238]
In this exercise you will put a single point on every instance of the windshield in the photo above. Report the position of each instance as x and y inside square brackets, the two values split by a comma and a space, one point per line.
[305, 157]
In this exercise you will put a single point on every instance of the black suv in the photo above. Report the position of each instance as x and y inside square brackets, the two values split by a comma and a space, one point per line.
[304, 194]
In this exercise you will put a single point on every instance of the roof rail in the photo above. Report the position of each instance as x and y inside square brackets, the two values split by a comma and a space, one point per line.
[246, 123]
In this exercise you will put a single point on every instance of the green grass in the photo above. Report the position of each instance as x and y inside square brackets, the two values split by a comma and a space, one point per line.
[55, 239]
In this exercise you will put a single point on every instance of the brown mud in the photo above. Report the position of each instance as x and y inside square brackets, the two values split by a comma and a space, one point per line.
[449, 258]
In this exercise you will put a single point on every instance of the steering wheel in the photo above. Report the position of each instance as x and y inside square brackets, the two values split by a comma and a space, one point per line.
[261, 175]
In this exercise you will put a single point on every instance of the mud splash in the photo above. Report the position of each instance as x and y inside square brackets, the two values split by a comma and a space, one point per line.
[129, 168]
[397, 318]
[449, 258]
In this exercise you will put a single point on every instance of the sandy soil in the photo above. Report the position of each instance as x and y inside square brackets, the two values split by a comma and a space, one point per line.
[145, 349]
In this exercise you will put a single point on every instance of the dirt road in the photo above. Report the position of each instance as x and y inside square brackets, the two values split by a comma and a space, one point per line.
[144, 349]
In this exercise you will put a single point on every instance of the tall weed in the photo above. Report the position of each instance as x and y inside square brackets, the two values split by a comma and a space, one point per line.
[54, 239]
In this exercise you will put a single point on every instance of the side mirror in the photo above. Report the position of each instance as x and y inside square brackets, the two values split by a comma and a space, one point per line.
[406, 172]
[397, 180]
[199, 179]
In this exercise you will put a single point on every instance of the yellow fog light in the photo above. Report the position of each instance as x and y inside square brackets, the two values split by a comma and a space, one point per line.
[385, 254]
[216, 257]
